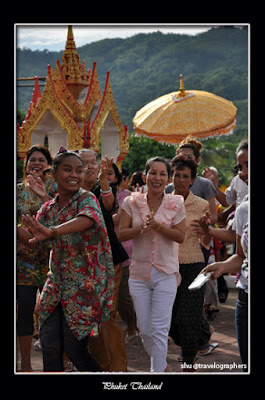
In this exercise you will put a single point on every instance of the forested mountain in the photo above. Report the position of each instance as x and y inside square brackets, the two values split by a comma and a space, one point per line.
[146, 66]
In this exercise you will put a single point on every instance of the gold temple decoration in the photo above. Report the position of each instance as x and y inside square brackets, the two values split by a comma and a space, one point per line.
[182, 91]
[71, 111]
[182, 94]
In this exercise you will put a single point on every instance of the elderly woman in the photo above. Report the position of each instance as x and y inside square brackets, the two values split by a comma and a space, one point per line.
[189, 329]
[156, 223]
[109, 347]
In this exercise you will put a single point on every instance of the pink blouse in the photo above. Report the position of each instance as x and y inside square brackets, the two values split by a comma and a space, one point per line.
[152, 249]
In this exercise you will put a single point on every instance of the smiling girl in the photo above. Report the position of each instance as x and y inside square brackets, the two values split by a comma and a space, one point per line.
[78, 292]
[156, 223]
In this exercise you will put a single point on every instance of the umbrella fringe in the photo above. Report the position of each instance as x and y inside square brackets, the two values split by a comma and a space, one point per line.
[228, 130]
[148, 137]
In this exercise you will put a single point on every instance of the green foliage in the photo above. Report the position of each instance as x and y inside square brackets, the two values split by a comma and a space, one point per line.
[142, 148]
[217, 152]
[20, 116]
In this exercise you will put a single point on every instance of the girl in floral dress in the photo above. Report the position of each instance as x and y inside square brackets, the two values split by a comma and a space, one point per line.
[77, 296]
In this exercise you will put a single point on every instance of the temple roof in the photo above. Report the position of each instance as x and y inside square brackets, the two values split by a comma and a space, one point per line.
[73, 96]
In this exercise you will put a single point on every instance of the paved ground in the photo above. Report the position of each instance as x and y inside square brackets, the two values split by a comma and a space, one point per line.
[224, 359]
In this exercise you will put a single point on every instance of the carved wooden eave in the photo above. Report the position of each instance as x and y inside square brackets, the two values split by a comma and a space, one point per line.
[64, 92]
[107, 106]
[36, 95]
[23, 139]
[93, 94]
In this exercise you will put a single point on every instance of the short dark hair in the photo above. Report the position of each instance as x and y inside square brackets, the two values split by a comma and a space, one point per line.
[243, 145]
[117, 173]
[157, 159]
[60, 156]
[191, 143]
[180, 162]
[42, 149]
[136, 178]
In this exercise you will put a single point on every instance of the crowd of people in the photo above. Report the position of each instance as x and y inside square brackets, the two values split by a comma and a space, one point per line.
[93, 242]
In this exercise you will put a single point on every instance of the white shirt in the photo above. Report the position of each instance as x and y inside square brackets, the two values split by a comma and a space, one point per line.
[237, 190]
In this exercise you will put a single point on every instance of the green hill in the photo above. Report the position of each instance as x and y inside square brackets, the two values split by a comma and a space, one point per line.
[146, 66]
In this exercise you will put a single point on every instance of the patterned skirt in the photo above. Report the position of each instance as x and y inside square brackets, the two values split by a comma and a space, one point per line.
[189, 329]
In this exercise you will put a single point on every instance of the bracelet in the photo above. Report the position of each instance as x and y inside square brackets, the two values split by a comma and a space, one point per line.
[106, 191]
[106, 194]
[54, 232]
[158, 229]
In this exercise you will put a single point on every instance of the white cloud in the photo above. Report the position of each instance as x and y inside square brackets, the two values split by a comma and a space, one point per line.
[53, 37]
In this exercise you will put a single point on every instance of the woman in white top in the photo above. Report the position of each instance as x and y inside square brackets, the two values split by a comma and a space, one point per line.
[238, 187]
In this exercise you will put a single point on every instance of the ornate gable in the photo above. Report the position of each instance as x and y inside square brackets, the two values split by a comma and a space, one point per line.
[107, 106]
[73, 110]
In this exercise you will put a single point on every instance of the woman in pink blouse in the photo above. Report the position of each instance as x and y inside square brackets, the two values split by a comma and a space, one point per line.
[156, 223]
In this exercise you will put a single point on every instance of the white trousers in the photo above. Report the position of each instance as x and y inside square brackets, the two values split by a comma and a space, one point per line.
[153, 301]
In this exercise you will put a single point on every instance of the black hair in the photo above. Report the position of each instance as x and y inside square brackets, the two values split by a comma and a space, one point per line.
[180, 162]
[157, 159]
[41, 149]
[243, 145]
[136, 178]
[60, 156]
[117, 174]
[124, 173]
[191, 143]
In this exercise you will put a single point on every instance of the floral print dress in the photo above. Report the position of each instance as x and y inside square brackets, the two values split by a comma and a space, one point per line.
[32, 265]
[81, 275]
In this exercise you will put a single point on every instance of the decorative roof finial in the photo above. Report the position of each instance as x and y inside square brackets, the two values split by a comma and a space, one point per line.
[74, 71]
[70, 35]
[182, 94]
[70, 47]
[181, 88]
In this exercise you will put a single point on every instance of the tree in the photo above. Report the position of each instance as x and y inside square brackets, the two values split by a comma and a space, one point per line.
[143, 148]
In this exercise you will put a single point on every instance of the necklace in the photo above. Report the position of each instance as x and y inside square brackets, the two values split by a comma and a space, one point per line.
[154, 204]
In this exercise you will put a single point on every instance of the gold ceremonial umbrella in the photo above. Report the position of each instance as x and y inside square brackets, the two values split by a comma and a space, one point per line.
[172, 117]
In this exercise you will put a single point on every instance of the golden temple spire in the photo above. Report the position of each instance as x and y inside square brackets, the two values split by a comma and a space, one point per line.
[74, 71]
[70, 43]
[70, 56]
[70, 35]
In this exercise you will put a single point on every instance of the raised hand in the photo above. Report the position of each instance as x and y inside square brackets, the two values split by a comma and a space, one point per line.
[104, 168]
[210, 174]
[39, 231]
[36, 185]
[205, 221]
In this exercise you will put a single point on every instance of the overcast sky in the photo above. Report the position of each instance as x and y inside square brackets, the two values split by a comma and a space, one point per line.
[53, 37]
